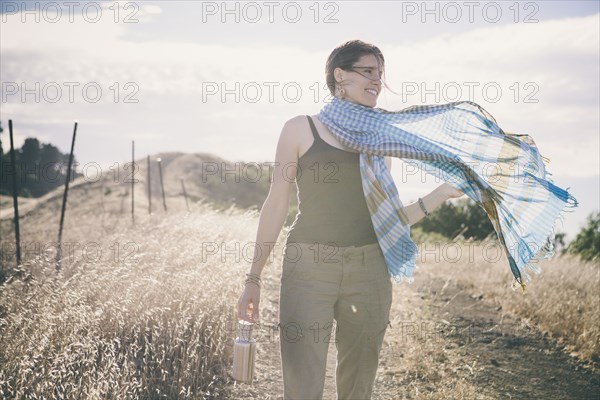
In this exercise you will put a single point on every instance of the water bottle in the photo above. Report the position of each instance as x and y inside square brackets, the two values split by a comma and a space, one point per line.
[244, 353]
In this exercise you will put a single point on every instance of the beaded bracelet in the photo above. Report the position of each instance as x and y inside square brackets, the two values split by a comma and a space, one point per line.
[422, 205]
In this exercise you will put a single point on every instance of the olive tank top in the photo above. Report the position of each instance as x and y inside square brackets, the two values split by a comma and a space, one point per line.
[331, 202]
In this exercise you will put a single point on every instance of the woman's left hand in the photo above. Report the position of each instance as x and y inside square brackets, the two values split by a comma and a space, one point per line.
[450, 191]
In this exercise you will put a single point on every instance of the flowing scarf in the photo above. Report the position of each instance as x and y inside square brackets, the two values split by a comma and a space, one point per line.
[459, 143]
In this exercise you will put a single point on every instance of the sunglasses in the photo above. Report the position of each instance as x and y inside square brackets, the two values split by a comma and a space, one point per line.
[368, 72]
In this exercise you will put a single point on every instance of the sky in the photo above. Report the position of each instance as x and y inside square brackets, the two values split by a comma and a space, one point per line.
[224, 77]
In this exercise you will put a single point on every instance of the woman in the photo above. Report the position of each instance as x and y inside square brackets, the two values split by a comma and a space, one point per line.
[333, 267]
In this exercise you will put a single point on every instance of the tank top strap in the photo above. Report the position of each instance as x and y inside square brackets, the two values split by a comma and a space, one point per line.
[314, 129]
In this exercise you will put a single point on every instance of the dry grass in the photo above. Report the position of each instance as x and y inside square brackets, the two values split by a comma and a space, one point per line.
[151, 321]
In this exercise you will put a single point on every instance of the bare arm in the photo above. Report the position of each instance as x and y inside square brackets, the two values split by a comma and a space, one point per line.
[431, 201]
[275, 208]
[272, 214]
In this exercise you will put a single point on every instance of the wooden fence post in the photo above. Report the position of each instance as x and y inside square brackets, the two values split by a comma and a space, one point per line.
[64, 203]
[185, 195]
[162, 187]
[149, 189]
[132, 178]
[15, 193]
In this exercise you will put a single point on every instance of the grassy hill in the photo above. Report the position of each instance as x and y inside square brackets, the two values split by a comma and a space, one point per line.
[208, 179]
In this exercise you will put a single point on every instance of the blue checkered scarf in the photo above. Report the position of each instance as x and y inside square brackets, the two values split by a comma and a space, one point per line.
[461, 144]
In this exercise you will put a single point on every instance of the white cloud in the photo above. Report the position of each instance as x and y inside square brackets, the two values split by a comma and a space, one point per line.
[151, 9]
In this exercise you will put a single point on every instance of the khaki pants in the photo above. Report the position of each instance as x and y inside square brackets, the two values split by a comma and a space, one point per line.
[320, 283]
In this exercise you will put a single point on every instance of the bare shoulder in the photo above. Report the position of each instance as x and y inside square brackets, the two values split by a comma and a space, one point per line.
[291, 137]
[291, 128]
[293, 132]
[297, 122]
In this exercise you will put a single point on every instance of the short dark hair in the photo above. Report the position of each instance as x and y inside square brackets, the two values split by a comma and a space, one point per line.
[345, 55]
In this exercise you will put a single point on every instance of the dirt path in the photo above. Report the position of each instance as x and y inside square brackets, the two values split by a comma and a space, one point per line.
[25, 205]
[445, 342]
[504, 357]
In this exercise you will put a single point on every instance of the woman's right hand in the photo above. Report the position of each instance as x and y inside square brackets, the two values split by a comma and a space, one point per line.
[275, 207]
[248, 303]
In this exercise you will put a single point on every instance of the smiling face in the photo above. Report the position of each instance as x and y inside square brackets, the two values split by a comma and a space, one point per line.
[362, 82]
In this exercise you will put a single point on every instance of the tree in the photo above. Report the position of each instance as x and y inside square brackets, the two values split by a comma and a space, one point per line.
[559, 243]
[465, 218]
[29, 164]
[50, 164]
[40, 168]
[30, 151]
[587, 242]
